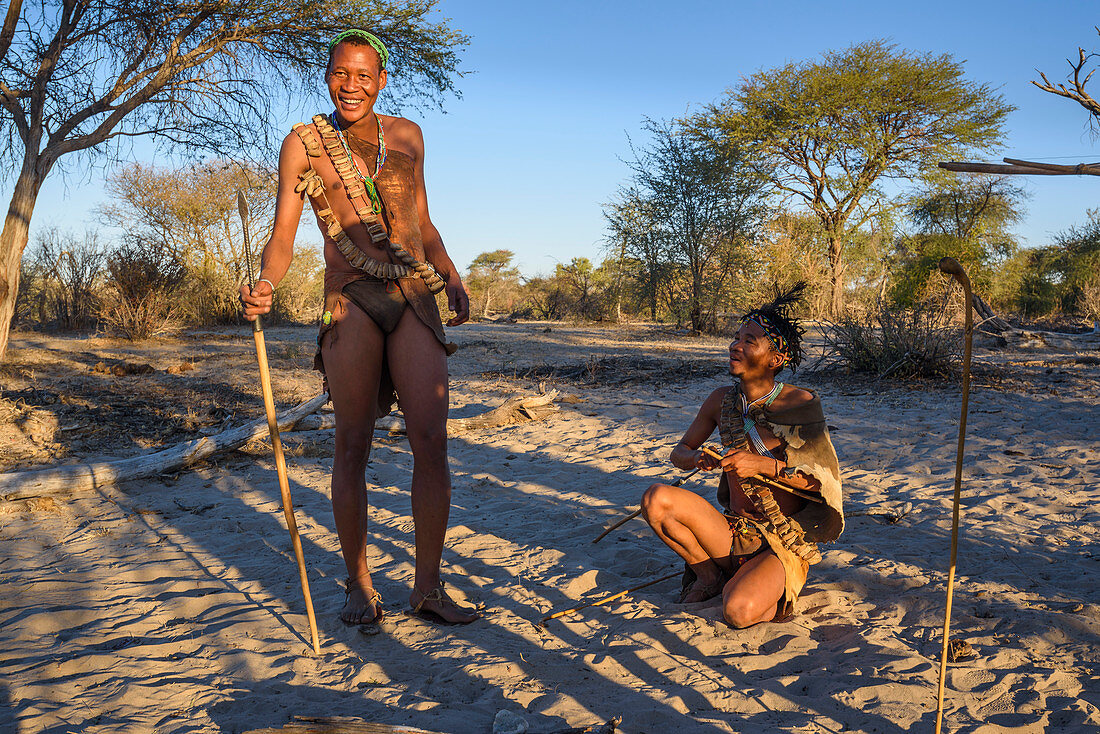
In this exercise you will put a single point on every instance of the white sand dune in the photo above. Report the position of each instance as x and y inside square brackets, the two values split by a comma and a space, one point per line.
[173, 606]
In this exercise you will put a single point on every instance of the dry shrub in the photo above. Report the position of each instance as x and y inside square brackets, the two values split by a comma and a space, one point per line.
[59, 284]
[139, 300]
[917, 342]
[210, 297]
[300, 296]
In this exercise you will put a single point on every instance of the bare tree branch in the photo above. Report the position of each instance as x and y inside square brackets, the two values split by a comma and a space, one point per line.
[1078, 93]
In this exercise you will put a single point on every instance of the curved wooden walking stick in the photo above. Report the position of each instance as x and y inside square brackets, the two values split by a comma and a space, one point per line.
[273, 430]
[951, 266]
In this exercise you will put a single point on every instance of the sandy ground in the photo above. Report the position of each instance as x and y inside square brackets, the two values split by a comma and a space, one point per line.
[172, 605]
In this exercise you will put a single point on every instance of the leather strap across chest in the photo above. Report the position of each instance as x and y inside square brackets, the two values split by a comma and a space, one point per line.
[312, 185]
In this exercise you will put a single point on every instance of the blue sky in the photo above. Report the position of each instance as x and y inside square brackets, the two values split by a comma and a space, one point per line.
[528, 155]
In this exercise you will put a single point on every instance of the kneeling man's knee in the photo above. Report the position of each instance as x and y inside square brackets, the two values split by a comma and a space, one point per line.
[655, 502]
[740, 611]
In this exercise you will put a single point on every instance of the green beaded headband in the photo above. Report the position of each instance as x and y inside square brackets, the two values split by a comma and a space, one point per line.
[373, 40]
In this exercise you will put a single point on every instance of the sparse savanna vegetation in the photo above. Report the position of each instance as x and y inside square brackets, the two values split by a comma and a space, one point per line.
[783, 181]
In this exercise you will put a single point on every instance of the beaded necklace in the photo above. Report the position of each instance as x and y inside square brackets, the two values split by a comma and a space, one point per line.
[379, 161]
[750, 423]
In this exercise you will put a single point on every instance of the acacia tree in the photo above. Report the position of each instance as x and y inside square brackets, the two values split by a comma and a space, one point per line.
[698, 199]
[827, 132]
[83, 76]
[583, 280]
[634, 232]
[492, 269]
[968, 206]
[190, 213]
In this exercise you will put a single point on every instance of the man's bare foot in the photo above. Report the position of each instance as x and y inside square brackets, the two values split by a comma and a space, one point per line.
[361, 606]
[438, 606]
[701, 590]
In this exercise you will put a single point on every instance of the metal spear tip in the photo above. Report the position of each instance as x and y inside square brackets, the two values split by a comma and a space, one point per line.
[242, 205]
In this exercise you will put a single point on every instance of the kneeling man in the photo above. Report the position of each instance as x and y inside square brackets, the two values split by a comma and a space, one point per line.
[780, 483]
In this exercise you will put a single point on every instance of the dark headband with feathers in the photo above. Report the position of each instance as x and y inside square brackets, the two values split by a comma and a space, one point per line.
[779, 323]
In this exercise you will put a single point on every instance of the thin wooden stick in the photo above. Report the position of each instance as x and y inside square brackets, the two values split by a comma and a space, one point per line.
[953, 268]
[606, 599]
[276, 444]
[637, 512]
[624, 521]
[768, 482]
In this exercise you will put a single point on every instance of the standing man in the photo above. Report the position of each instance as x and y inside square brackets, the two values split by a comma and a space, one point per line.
[780, 487]
[381, 333]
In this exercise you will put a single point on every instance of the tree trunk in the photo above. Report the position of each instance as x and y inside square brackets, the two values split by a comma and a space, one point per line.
[696, 313]
[836, 275]
[13, 240]
[652, 294]
[485, 310]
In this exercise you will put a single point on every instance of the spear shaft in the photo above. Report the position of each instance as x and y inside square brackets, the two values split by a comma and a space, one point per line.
[273, 430]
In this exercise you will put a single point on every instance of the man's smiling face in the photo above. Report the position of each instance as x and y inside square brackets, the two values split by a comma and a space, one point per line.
[354, 77]
[751, 354]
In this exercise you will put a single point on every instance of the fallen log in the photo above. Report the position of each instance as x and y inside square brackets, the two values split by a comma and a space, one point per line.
[1034, 339]
[93, 475]
[989, 321]
[511, 412]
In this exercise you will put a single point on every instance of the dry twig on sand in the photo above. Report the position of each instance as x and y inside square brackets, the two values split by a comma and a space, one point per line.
[606, 599]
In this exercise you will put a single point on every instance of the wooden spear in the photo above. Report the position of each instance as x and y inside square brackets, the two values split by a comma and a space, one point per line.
[273, 430]
[951, 267]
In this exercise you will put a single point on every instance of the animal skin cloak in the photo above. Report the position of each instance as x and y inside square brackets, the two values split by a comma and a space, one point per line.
[810, 451]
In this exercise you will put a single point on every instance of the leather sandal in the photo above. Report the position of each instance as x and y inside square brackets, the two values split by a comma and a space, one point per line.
[439, 595]
[373, 598]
